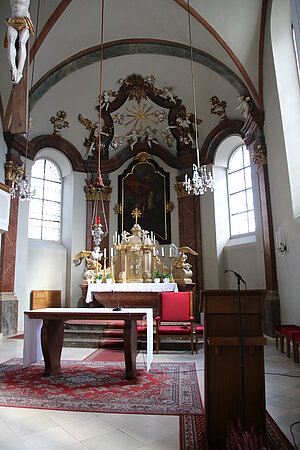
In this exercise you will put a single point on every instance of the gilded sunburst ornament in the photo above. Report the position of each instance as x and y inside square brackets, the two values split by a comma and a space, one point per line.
[140, 115]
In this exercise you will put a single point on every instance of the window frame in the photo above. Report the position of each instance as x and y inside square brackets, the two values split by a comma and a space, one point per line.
[59, 240]
[245, 189]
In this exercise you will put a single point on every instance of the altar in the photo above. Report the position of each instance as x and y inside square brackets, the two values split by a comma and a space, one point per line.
[128, 295]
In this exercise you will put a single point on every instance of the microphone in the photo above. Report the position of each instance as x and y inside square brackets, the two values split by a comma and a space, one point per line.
[237, 275]
[117, 308]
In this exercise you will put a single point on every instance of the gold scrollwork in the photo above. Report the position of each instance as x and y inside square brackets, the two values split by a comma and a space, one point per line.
[118, 208]
[59, 121]
[259, 156]
[90, 192]
[143, 157]
[170, 206]
[181, 191]
[13, 172]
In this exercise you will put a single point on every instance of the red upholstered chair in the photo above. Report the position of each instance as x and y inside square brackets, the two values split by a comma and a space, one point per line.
[289, 334]
[296, 343]
[176, 316]
[280, 333]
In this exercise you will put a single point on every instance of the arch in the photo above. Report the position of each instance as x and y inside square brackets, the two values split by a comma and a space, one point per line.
[129, 47]
[59, 143]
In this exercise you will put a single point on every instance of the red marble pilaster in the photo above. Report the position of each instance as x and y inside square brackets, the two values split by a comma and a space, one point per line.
[190, 231]
[8, 250]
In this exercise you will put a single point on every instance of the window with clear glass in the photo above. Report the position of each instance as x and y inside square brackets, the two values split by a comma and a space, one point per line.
[45, 203]
[241, 207]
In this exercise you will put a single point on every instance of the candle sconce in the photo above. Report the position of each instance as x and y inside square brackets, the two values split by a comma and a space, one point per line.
[280, 243]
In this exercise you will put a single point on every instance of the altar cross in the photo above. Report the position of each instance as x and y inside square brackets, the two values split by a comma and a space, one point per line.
[136, 213]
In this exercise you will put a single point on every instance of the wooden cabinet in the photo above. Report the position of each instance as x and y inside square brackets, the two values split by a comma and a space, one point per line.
[223, 398]
[45, 299]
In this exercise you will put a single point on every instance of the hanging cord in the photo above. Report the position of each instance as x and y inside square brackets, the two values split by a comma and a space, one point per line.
[31, 84]
[101, 77]
[193, 85]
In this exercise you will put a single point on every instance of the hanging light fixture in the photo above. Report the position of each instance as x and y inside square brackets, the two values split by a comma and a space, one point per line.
[97, 232]
[21, 188]
[201, 181]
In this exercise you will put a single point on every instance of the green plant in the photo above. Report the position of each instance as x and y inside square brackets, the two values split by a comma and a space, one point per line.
[99, 276]
[109, 276]
[165, 275]
[156, 274]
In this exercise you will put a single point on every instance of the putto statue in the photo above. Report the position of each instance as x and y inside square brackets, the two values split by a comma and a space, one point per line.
[19, 26]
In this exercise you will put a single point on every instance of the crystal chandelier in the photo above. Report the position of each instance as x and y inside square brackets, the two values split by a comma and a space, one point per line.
[201, 181]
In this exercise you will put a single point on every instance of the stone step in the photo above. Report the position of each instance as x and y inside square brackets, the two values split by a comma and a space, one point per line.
[81, 343]
[83, 334]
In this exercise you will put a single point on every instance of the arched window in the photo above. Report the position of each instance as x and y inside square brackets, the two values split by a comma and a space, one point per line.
[45, 204]
[241, 207]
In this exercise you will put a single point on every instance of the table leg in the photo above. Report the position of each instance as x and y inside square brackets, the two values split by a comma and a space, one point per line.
[130, 346]
[52, 336]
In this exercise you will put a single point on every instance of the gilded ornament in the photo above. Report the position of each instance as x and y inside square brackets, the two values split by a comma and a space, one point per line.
[59, 121]
[13, 172]
[170, 206]
[118, 208]
[259, 156]
[143, 157]
[181, 191]
[218, 108]
[91, 191]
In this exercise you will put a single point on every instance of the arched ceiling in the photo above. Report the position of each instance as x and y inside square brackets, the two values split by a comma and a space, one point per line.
[146, 38]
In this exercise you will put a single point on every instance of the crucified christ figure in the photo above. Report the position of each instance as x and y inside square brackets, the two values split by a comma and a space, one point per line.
[19, 26]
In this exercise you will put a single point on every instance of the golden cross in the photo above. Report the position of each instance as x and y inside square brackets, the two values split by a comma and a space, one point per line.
[136, 213]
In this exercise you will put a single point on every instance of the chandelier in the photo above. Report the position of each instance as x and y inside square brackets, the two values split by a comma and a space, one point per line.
[97, 231]
[201, 181]
[21, 188]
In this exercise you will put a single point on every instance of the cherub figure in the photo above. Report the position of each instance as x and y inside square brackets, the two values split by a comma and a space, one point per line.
[168, 93]
[105, 101]
[133, 136]
[92, 141]
[19, 26]
[244, 106]
[150, 136]
[167, 138]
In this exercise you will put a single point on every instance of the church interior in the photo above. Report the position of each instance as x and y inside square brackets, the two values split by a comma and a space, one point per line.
[149, 151]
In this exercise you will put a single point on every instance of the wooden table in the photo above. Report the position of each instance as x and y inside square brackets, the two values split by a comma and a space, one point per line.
[44, 331]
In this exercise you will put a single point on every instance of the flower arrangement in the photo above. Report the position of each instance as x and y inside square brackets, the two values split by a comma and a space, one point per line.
[239, 438]
[109, 278]
[98, 278]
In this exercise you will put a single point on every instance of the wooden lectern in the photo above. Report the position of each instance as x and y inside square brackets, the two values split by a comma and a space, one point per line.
[223, 399]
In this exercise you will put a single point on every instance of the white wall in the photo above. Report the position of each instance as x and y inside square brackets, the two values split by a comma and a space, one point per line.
[288, 265]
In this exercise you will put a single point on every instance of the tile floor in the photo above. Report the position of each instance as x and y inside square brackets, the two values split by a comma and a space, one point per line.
[44, 430]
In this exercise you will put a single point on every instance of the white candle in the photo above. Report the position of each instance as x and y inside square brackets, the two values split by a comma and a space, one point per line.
[170, 252]
[162, 251]
[112, 252]
[151, 235]
[154, 240]
[105, 252]
[118, 240]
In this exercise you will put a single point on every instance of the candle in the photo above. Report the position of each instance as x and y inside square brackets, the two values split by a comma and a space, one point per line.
[154, 251]
[118, 239]
[151, 235]
[111, 252]
[170, 252]
[105, 252]
[162, 252]
[97, 220]
[154, 240]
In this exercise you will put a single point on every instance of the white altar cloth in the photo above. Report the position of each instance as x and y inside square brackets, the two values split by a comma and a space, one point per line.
[32, 351]
[129, 287]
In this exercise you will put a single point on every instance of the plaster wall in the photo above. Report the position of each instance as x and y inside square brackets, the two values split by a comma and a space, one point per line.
[288, 265]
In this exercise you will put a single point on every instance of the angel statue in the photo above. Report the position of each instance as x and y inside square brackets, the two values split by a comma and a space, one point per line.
[133, 137]
[92, 142]
[182, 272]
[244, 107]
[149, 136]
[92, 264]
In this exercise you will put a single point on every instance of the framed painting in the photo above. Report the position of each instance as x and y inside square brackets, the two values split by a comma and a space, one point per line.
[146, 186]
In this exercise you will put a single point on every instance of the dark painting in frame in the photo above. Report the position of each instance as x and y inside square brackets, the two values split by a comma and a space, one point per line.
[146, 186]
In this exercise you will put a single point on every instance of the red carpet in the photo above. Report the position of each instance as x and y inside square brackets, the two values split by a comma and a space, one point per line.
[192, 434]
[169, 388]
[18, 336]
[108, 355]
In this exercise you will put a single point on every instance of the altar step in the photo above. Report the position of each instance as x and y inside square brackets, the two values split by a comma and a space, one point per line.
[103, 334]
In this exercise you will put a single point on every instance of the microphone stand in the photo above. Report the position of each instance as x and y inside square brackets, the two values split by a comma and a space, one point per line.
[238, 280]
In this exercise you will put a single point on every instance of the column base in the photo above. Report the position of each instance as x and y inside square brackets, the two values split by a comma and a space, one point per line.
[8, 313]
[271, 312]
